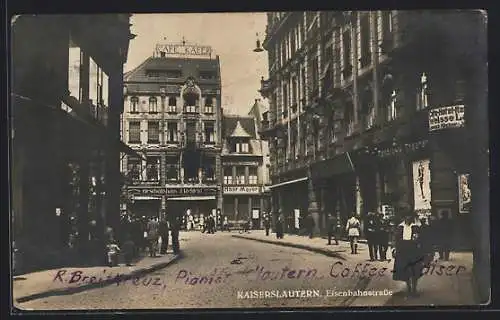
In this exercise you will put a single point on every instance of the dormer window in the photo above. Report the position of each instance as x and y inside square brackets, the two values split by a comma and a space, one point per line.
[242, 147]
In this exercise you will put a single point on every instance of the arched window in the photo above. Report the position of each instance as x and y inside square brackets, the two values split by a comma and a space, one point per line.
[423, 93]
[134, 104]
[153, 105]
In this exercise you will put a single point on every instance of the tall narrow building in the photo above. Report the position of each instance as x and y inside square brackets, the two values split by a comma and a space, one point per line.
[172, 116]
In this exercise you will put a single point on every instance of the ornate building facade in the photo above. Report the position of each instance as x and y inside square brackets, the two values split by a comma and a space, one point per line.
[173, 117]
[367, 113]
[244, 170]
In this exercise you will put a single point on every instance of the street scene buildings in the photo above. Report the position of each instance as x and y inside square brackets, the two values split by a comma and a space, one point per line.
[349, 124]
[342, 161]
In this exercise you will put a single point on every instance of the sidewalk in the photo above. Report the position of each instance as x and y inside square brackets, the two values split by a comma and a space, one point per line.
[38, 284]
[317, 244]
[440, 286]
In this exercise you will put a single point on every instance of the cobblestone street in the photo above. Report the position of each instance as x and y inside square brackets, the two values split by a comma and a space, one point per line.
[222, 271]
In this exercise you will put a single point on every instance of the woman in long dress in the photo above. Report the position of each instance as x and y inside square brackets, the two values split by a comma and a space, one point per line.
[410, 256]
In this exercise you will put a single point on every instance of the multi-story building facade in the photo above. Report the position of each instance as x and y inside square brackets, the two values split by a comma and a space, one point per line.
[172, 117]
[244, 171]
[357, 106]
[67, 78]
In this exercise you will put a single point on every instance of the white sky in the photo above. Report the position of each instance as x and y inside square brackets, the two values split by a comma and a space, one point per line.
[231, 35]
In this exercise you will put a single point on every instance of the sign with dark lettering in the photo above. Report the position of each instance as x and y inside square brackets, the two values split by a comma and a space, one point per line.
[241, 190]
[184, 50]
[191, 191]
[146, 191]
[446, 117]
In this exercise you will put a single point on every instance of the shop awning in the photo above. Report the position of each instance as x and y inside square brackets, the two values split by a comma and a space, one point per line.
[328, 168]
[192, 198]
[146, 198]
[287, 182]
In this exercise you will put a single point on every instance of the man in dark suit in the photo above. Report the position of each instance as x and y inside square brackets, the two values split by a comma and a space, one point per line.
[332, 225]
[175, 225]
[371, 231]
[164, 235]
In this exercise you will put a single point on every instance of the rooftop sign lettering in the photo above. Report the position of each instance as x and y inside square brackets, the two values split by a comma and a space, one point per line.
[183, 50]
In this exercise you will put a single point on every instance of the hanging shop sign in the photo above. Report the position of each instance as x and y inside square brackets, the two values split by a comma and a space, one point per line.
[241, 190]
[422, 186]
[464, 193]
[191, 191]
[446, 117]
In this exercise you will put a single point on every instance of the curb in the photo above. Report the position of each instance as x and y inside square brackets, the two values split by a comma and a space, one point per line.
[329, 253]
[103, 283]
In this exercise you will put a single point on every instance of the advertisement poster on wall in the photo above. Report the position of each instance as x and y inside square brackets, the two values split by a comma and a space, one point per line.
[422, 186]
[296, 218]
[464, 193]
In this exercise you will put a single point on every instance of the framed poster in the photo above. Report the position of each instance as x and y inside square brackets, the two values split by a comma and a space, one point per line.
[255, 214]
[297, 218]
[422, 186]
[464, 193]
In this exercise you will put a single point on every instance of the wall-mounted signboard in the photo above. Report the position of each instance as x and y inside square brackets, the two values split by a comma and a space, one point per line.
[446, 117]
[241, 190]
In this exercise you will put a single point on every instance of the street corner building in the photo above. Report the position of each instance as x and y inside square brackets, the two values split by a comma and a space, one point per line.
[66, 101]
[172, 118]
[376, 110]
[244, 168]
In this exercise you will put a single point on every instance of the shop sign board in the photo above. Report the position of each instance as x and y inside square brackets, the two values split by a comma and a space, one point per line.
[241, 190]
[146, 191]
[446, 117]
[191, 191]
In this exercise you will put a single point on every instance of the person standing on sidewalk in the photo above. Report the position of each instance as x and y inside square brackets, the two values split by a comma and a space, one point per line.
[310, 225]
[267, 224]
[371, 232]
[383, 236]
[408, 258]
[332, 226]
[279, 225]
[164, 235]
[353, 230]
[442, 230]
[175, 226]
[152, 229]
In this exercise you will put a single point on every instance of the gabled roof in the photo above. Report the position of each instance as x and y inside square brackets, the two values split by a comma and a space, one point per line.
[230, 122]
[239, 132]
